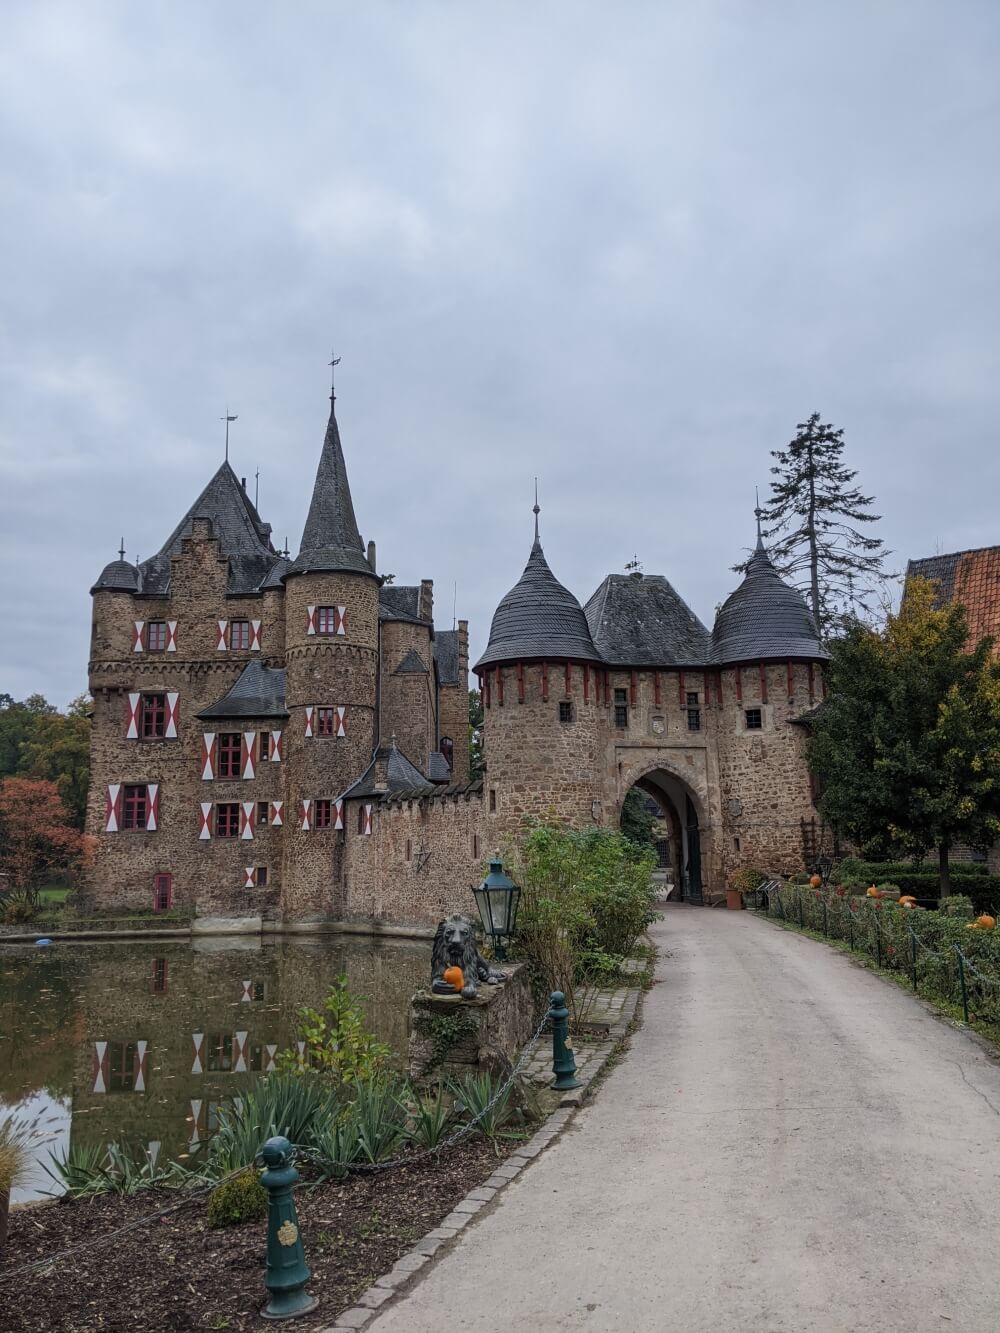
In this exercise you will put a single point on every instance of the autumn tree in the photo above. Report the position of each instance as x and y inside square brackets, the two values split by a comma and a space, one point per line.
[813, 522]
[38, 843]
[38, 741]
[907, 745]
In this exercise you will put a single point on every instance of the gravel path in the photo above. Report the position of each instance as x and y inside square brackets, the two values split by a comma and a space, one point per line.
[790, 1145]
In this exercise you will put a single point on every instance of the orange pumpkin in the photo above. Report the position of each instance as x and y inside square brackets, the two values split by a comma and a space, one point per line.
[454, 976]
[815, 881]
[873, 892]
[985, 922]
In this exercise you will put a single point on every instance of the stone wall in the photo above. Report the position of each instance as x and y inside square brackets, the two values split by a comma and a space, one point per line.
[408, 698]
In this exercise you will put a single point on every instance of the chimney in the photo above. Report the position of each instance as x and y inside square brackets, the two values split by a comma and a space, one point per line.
[380, 780]
[425, 609]
[371, 555]
[463, 652]
[243, 483]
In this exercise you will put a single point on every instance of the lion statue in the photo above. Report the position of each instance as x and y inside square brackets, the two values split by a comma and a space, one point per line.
[455, 946]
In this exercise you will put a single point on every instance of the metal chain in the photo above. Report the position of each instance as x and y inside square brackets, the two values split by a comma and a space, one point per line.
[990, 981]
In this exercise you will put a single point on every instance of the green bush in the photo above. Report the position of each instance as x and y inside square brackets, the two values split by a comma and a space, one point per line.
[239, 1199]
[873, 871]
[294, 1105]
[337, 1041]
[957, 904]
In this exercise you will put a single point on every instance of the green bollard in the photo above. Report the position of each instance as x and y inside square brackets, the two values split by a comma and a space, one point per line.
[287, 1273]
[563, 1064]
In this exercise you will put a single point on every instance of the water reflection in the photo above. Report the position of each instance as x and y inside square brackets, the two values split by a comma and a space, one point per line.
[143, 1041]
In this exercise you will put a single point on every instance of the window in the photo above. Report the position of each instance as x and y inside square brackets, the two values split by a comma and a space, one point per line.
[156, 636]
[263, 810]
[227, 819]
[134, 808]
[158, 976]
[493, 800]
[322, 817]
[409, 849]
[262, 877]
[736, 844]
[229, 754]
[693, 711]
[447, 747]
[267, 744]
[326, 620]
[324, 721]
[754, 719]
[621, 708]
[153, 724]
[239, 634]
[121, 1066]
[475, 846]
[361, 819]
[163, 892]
[219, 1046]
[565, 711]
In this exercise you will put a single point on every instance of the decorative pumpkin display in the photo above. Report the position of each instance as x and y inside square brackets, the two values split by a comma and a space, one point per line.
[986, 922]
[908, 902]
[815, 881]
[906, 898]
[873, 892]
[454, 976]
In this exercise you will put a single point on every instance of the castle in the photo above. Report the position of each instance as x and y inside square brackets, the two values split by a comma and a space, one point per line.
[289, 739]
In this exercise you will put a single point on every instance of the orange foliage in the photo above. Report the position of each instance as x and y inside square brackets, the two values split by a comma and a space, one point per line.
[37, 841]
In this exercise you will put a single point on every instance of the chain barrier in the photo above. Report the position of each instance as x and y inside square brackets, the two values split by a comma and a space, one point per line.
[990, 981]
[192, 1195]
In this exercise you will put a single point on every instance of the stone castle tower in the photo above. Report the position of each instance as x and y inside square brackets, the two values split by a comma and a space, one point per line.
[249, 711]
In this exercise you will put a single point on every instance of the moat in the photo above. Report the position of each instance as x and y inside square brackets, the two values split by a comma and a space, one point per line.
[141, 1041]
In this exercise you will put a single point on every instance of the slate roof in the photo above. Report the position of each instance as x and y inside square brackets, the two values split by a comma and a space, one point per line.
[640, 620]
[764, 617]
[244, 539]
[401, 775]
[438, 768]
[412, 665]
[119, 576]
[402, 599]
[259, 692]
[446, 656]
[538, 618]
[969, 577]
[331, 542]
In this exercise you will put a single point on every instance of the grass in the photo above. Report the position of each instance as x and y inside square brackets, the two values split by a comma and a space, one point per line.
[52, 895]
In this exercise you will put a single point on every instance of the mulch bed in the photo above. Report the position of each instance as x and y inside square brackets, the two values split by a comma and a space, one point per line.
[176, 1274]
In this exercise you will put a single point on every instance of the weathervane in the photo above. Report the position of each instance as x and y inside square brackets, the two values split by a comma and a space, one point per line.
[536, 511]
[759, 514]
[334, 363]
[634, 566]
[227, 418]
[121, 550]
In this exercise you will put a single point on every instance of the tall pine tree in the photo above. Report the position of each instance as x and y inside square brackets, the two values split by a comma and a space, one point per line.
[812, 523]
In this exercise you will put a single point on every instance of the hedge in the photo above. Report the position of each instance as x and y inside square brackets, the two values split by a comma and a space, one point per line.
[878, 872]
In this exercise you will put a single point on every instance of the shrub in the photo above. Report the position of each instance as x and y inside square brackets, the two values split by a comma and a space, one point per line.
[16, 1139]
[748, 879]
[957, 905]
[337, 1040]
[239, 1199]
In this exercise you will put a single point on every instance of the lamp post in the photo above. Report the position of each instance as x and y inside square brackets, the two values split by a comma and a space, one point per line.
[497, 899]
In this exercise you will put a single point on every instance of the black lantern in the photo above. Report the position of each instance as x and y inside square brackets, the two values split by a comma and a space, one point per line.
[497, 899]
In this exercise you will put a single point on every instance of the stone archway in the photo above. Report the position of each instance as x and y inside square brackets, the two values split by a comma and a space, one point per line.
[685, 809]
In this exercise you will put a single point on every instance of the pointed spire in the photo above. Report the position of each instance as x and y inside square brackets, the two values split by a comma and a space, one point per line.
[759, 513]
[121, 550]
[331, 541]
[536, 511]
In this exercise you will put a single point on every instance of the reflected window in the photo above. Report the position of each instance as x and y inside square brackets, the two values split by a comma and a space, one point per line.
[122, 1066]
[219, 1048]
[158, 973]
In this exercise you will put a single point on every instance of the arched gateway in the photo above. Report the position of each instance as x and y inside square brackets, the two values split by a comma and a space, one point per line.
[583, 703]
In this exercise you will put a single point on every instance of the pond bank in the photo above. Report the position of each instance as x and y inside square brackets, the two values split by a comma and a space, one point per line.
[136, 928]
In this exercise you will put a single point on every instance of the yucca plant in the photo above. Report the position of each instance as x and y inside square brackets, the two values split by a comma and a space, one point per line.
[336, 1147]
[380, 1116]
[89, 1169]
[16, 1139]
[473, 1095]
[430, 1118]
[299, 1107]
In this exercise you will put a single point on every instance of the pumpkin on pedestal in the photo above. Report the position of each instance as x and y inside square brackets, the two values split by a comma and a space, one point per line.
[815, 881]
[454, 976]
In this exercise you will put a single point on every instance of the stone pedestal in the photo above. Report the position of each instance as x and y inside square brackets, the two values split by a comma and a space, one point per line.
[453, 1036]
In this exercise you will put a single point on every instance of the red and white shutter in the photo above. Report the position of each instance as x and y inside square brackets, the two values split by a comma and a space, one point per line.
[171, 636]
[340, 619]
[198, 1040]
[269, 1061]
[309, 720]
[249, 882]
[102, 1062]
[140, 625]
[276, 809]
[134, 709]
[247, 995]
[222, 638]
[310, 620]
[152, 807]
[340, 721]
[196, 1123]
[305, 816]
[141, 1066]
[208, 752]
[366, 820]
[255, 636]
[205, 821]
[338, 814]
[247, 811]
[275, 747]
[113, 808]
[173, 713]
[240, 1040]
[248, 755]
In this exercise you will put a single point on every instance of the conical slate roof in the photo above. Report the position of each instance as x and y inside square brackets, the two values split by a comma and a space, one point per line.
[765, 617]
[331, 542]
[119, 576]
[641, 620]
[538, 618]
[243, 537]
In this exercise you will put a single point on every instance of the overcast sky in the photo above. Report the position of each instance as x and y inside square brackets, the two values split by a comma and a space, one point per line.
[625, 247]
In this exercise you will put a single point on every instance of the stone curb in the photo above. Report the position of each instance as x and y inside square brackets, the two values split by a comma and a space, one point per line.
[435, 1242]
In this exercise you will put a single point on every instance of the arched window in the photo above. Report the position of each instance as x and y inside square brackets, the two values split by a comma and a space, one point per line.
[447, 747]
